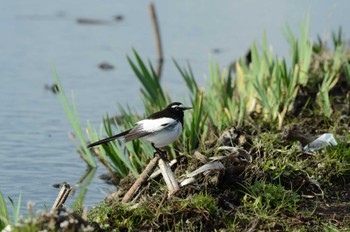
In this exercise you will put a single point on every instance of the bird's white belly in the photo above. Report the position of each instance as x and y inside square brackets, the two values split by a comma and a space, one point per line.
[165, 136]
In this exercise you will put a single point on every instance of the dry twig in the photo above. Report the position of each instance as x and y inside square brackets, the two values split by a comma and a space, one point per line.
[142, 178]
[157, 39]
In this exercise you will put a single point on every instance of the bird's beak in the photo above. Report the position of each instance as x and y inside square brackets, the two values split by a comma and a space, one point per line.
[186, 108]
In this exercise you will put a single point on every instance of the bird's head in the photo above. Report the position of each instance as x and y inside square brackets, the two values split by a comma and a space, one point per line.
[177, 107]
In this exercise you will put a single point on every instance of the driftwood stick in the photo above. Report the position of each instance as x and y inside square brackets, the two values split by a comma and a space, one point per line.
[157, 39]
[62, 197]
[142, 178]
[169, 177]
[158, 172]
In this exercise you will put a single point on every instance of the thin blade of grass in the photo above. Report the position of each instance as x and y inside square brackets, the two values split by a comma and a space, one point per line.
[4, 214]
[73, 117]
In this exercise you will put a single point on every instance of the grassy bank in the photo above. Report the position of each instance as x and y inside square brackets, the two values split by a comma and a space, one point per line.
[254, 118]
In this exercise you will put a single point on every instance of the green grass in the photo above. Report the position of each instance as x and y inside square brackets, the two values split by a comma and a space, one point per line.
[154, 96]
[73, 117]
[331, 77]
[268, 88]
[84, 183]
[5, 218]
[4, 215]
[268, 201]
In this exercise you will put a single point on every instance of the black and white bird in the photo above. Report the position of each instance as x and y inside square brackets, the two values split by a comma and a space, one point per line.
[160, 129]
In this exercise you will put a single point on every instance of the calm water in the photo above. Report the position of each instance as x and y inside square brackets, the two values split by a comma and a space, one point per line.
[35, 151]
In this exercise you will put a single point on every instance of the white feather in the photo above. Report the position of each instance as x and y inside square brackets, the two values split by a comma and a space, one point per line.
[153, 125]
[164, 131]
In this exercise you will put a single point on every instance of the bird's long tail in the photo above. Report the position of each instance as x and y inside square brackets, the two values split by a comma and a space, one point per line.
[106, 140]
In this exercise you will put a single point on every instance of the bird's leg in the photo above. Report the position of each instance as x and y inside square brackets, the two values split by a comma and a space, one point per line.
[161, 153]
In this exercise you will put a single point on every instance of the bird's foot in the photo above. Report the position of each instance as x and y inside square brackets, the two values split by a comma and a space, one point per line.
[162, 154]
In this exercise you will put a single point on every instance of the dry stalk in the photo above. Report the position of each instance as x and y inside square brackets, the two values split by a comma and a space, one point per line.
[169, 177]
[142, 178]
[62, 197]
[157, 39]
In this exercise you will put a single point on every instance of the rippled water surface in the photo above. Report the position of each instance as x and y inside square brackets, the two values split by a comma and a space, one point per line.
[35, 151]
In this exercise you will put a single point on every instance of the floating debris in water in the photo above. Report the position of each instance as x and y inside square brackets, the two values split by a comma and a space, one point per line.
[216, 50]
[53, 88]
[106, 66]
[88, 21]
[119, 17]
